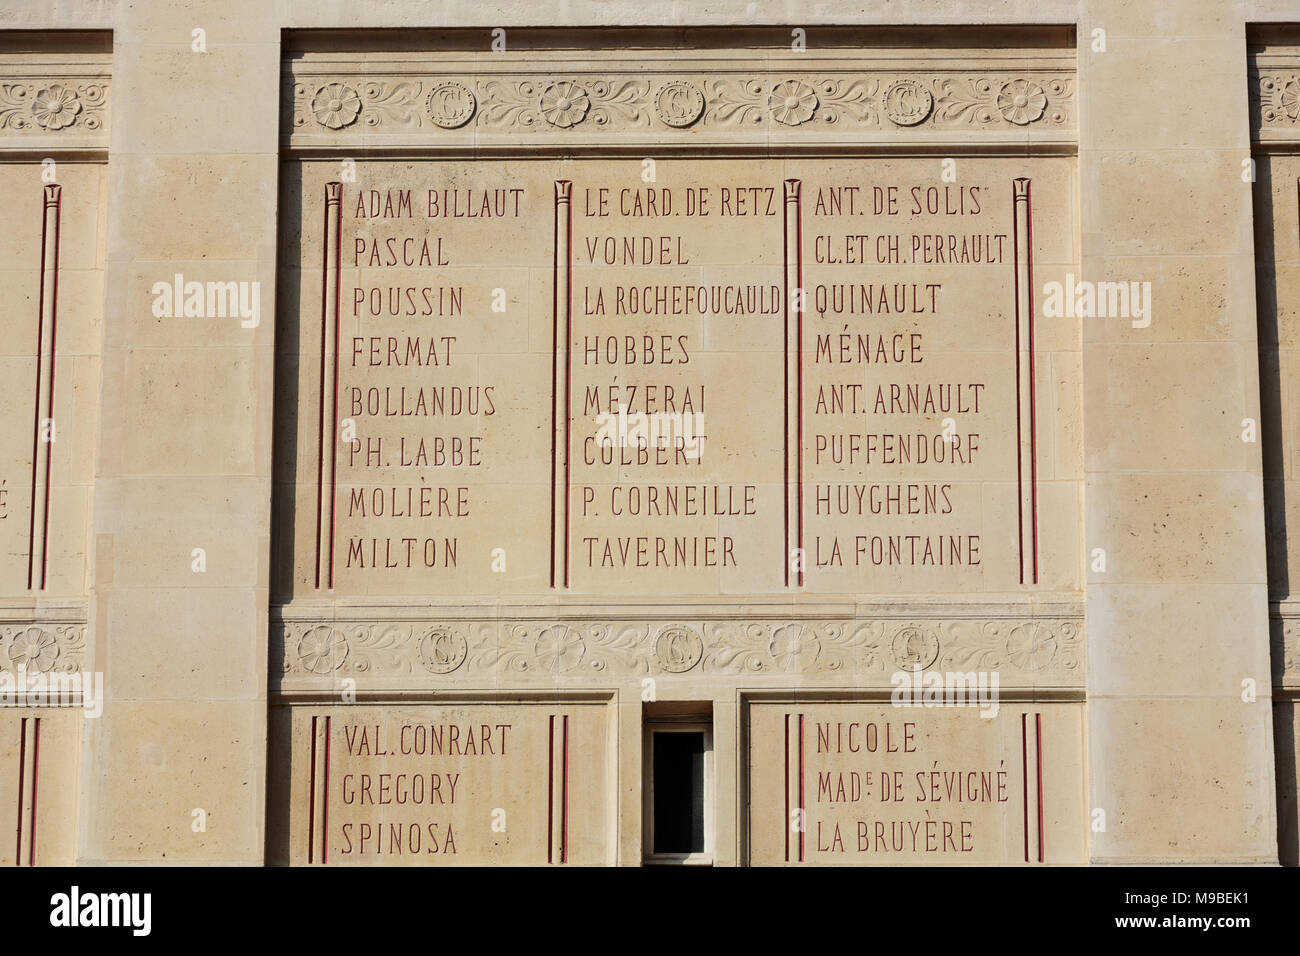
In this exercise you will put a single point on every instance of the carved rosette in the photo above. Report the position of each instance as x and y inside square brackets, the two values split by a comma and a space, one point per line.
[65, 107]
[44, 648]
[793, 103]
[565, 104]
[1026, 651]
[1022, 102]
[336, 105]
[322, 650]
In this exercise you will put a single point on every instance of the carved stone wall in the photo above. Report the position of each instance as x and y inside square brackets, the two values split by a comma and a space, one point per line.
[718, 102]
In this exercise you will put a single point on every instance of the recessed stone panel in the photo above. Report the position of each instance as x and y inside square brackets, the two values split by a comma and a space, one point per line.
[448, 784]
[876, 784]
[727, 377]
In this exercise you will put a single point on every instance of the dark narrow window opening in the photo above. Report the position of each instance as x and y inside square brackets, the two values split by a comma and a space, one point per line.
[679, 792]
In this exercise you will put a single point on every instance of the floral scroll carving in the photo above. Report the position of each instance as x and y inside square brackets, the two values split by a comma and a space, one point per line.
[1276, 99]
[1017, 102]
[809, 101]
[1034, 650]
[44, 648]
[57, 106]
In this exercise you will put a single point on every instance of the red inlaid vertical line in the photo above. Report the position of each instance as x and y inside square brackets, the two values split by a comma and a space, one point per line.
[1020, 477]
[36, 770]
[1033, 383]
[35, 401]
[803, 815]
[786, 827]
[325, 801]
[54, 335]
[311, 792]
[568, 384]
[324, 332]
[798, 260]
[550, 777]
[555, 398]
[785, 438]
[1038, 734]
[334, 429]
[22, 769]
[1024, 780]
[564, 806]
[51, 199]
[561, 381]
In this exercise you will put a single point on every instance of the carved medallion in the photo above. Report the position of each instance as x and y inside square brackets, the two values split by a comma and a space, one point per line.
[679, 103]
[678, 649]
[907, 102]
[451, 104]
[914, 648]
[441, 650]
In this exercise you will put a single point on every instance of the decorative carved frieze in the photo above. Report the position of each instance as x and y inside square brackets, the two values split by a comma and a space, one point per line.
[51, 106]
[455, 101]
[53, 103]
[1273, 80]
[346, 107]
[1042, 652]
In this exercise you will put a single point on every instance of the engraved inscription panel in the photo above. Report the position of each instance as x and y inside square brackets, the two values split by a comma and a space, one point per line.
[735, 377]
[449, 784]
[871, 783]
